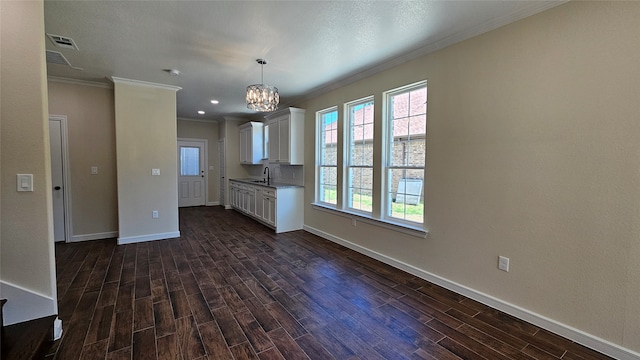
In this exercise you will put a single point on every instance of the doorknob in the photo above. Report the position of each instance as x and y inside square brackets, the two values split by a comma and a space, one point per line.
[57, 188]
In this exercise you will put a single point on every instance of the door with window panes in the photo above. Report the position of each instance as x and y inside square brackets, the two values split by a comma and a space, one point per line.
[191, 173]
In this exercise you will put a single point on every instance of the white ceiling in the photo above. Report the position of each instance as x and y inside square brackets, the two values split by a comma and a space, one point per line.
[311, 46]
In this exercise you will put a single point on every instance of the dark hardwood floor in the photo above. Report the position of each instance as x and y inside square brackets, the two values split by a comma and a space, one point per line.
[230, 288]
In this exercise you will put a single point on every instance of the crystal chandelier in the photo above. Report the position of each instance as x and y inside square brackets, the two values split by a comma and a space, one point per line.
[262, 97]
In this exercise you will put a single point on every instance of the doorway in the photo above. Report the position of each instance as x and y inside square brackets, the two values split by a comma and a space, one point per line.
[60, 178]
[192, 177]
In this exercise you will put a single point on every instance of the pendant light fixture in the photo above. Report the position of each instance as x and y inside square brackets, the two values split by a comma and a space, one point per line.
[262, 97]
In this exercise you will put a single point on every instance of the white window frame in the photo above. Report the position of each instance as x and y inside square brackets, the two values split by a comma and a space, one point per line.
[348, 166]
[319, 157]
[388, 142]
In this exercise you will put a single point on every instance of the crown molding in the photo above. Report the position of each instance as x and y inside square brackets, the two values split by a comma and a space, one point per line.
[118, 80]
[79, 82]
[198, 120]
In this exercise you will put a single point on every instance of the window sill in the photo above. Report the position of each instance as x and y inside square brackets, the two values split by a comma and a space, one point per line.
[400, 227]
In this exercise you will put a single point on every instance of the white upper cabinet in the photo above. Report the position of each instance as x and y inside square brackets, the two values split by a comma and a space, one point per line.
[251, 143]
[286, 136]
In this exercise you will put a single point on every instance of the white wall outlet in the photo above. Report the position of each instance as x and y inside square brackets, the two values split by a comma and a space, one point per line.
[154, 214]
[503, 263]
[94, 170]
[353, 221]
[155, 172]
[25, 182]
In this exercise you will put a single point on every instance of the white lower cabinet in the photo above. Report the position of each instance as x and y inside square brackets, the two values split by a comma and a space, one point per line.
[279, 208]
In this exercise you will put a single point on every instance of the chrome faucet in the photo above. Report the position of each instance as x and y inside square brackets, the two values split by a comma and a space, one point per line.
[266, 171]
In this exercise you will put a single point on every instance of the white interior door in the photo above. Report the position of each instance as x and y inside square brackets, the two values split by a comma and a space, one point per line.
[221, 153]
[57, 179]
[192, 177]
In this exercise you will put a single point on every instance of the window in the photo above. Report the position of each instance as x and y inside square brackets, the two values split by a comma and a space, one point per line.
[390, 191]
[327, 171]
[189, 161]
[360, 155]
[405, 155]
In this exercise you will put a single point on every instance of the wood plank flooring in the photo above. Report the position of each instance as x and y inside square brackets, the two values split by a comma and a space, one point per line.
[230, 288]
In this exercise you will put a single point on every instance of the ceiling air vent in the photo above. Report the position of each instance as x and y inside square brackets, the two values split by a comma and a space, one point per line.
[54, 57]
[63, 41]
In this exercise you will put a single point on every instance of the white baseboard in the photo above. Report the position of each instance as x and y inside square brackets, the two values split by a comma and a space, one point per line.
[571, 333]
[149, 237]
[213, 203]
[95, 236]
[24, 304]
[228, 207]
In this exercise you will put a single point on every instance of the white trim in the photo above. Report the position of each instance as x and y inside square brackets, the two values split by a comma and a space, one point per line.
[57, 329]
[354, 216]
[213, 203]
[66, 176]
[94, 236]
[118, 80]
[79, 82]
[569, 332]
[24, 304]
[149, 237]
[228, 207]
[199, 120]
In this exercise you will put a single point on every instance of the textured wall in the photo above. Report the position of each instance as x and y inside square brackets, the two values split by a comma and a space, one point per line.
[209, 131]
[26, 241]
[92, 142]
[533, 149]
[146, 139]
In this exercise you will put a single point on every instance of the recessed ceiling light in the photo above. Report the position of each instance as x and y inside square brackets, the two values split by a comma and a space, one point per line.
[215, 101]
[173, 72]
[200, 112]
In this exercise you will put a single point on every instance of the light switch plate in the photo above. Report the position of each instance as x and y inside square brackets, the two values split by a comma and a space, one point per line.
[25, 182]
[503, 263]
[155, 172]
[94, 170]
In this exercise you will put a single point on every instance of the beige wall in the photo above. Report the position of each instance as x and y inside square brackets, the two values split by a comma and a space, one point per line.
[231, 134]
[26, 237]
[92, 142]
[193, 129]
[146, 139]
[533, 151]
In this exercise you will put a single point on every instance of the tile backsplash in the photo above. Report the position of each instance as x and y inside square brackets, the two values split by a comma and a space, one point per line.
[289, 174]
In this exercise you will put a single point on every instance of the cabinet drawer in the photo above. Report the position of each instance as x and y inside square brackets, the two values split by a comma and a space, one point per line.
[269, 193]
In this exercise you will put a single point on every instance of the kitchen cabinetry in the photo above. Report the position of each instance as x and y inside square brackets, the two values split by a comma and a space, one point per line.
[251, 146]
[286, 136]
[280, 208]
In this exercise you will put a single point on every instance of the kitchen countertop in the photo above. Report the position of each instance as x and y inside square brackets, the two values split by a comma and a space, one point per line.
[272, 184]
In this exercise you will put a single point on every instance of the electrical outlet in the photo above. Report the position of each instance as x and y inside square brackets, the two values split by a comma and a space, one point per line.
[353, 221]
[503, 263]
[154, 214]
[155, 172]
[94, 170]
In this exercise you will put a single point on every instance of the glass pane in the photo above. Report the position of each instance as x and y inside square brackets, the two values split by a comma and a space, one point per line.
[328, 182]
[189, 161]
[361, 134]
[405, 197]
[329, 138]
[408, 128]
[408, 152]
[360, 189]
